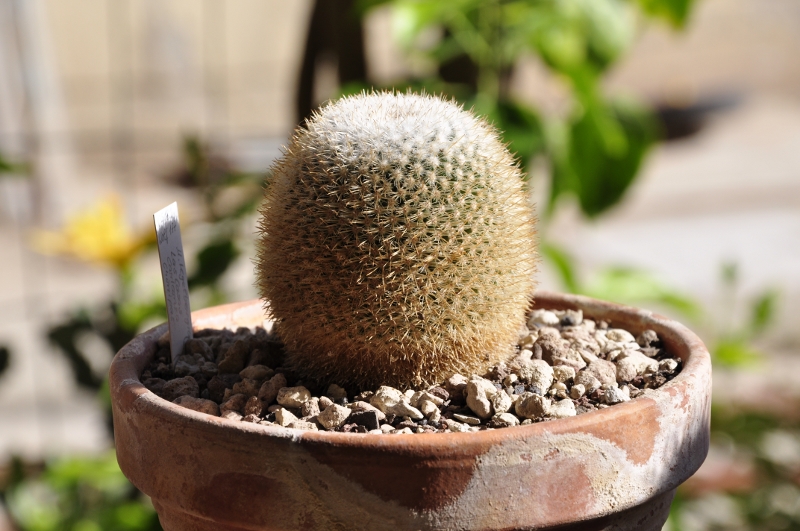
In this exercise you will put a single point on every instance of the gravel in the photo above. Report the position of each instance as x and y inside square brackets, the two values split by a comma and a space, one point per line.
[564, 366]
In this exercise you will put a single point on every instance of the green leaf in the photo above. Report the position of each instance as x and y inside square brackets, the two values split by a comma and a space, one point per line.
[633, 286]
[564, 265]
[676, 12]
[521, 129]
[605, 148]
[763, 311]
[734, 353]
[212, 261]
[12, 169]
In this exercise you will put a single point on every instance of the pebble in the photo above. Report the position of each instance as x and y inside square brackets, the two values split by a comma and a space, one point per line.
[538, 373]
[562, 409]
[252, 407]
[256, 372]
[455, 426]
[269, 389]
[302, 425]
[532, 406]
[620, 336]
[234, 403]
[310, 408]
[293, 396]
[247, 387]
[467, 419]
[231, 415]
[199, 347]
[565, 365]
[577, 391]
[283, 416]
[426, 407]
[588, 381]
[648, 339]
[186, 386]
[156, 385]
[208, 407]
[668, 365]
[334, 416]
[604, 371]
[543, 318]
[504, 420]
[616, 395]
[365, 406]
[501, 402]
[479, 391]
[455, 385]
[634, 364]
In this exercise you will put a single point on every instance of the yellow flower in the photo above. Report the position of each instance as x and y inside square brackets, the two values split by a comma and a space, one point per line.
[98, 234]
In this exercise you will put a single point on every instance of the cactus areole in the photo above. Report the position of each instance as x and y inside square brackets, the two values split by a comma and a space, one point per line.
[396, 243]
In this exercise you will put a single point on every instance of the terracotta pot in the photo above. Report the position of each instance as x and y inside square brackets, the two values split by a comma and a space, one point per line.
[615, 468]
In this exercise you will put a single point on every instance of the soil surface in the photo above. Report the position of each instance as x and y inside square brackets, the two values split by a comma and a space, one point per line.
[564, 366]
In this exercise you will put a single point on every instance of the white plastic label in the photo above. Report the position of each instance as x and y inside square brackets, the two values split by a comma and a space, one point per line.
[173, 273]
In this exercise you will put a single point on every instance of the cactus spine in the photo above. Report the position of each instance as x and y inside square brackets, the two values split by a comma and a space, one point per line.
[396, 243]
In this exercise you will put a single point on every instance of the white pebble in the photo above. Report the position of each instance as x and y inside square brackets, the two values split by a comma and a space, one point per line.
[577, 391]
[501, 402]
[479, 390]
[455, 426]
[615, 395]
[562, 409]
[527, 341]
[668, 365]
[334, 416]
[506, 419]
[293, 396]
[538, 373]
[467, 419]
[634, 364]
[283, 416]
[532, 406]
[619, 335]
[426, 407]
[562, 373]
[302, 425]
[543, 318]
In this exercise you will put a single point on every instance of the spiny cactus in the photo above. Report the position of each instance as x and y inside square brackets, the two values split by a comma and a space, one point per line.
[396, 245]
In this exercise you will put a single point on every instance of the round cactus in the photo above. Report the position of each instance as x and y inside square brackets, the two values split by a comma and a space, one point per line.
[397, 244]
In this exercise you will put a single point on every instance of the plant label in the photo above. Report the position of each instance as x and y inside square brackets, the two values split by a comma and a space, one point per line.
[173, 274]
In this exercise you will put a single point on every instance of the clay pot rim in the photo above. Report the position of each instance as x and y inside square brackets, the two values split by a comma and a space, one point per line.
[126, 386]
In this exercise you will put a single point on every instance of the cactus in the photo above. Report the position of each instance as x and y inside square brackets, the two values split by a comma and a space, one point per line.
[396, 243]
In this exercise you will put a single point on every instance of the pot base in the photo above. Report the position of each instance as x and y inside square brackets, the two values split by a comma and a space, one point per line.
[648, 516]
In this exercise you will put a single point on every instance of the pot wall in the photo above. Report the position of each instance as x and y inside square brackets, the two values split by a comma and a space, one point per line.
[615, 468]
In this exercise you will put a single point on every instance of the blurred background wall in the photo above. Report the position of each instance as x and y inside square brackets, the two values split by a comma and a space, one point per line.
[99, 97]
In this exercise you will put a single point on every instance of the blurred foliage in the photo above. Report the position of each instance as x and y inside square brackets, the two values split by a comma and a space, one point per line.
[596, 150]
[100, 235]
[9, 168]
[76, 494]
[92, 494]
[767, 495]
